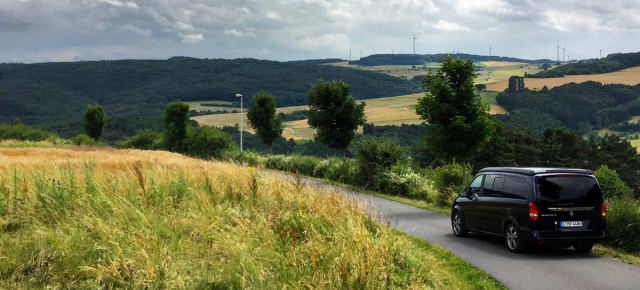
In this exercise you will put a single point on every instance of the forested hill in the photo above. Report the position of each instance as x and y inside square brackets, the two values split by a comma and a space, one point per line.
[584, 107]
[611, 63]
[56, 93]
[419, 59]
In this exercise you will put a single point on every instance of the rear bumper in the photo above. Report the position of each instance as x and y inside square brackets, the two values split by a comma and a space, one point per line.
[567, 238]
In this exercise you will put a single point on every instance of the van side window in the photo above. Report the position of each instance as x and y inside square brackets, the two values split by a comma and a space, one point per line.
[516, 187]
[488, 185]
[498, 186]
[475, 187]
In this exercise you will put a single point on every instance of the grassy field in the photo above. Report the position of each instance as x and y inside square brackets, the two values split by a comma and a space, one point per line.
[498, 71]
[629, 76]
[102, 218]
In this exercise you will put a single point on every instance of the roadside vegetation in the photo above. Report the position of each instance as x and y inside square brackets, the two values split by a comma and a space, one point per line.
[74, 218]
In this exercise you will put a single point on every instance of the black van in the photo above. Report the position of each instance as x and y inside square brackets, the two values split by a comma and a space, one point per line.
[533, 206]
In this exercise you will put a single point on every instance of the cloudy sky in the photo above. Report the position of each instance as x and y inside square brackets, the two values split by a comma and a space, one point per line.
[74, 30]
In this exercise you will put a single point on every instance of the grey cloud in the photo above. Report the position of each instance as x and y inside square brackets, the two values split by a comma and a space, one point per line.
[286, 29]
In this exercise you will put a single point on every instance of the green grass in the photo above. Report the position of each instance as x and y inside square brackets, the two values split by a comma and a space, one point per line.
[489, 97]
[302, 142]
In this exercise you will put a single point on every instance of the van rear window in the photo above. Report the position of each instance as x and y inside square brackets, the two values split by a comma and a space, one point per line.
[569, 190]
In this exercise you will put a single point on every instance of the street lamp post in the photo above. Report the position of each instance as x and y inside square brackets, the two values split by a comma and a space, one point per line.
[240, 96]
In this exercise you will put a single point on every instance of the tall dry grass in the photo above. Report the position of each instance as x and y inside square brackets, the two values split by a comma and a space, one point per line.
[100, 218]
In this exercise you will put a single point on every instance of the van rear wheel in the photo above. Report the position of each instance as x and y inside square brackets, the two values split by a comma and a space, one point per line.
[513, 238]
[583, 248]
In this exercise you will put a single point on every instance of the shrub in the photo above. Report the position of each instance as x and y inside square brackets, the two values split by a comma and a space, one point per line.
[340, 169]
[18, 131]
[208, 142]
[280, 162]
[145, 140]
[379, 154]
[623, 223]
[447, 182]
[610, 183]
[401, 180]
[246, 157]
[83, 140]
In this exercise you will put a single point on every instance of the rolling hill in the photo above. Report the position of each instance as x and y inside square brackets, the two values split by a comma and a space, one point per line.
[135, 93]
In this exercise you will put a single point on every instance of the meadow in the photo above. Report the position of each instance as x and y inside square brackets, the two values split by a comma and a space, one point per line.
[81, 217]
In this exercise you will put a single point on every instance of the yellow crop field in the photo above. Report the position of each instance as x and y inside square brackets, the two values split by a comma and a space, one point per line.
[629, 76]
[83, 218]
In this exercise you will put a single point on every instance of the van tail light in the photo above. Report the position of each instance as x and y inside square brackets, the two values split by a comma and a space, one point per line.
[533, 212]
[604, 212]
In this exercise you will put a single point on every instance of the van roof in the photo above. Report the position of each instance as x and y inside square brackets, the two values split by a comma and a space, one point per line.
[535, 170]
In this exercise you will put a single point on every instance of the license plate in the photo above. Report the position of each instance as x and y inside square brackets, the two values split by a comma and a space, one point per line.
[572, 224]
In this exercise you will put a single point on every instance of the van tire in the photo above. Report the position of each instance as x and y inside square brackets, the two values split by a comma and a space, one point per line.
[514, 239]
[457, 224]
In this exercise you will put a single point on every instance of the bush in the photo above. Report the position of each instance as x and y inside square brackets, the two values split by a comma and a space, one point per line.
[379, 154]
[20, 132]
[84, 140]
[145, 140]
[610, 183]
[447, 182]
[246, 157]
[340, 169]
[623, 223]
[208, 142]
[403, 181]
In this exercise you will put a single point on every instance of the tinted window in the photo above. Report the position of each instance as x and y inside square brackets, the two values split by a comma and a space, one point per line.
[569, 190]
[475, 188]
[488, 185]
[498, 186]
[516, 187]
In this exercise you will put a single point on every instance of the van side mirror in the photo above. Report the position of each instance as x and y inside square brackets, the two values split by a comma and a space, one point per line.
[463, 193]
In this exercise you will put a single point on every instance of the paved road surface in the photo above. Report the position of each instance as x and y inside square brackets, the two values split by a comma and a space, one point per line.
[540, 269]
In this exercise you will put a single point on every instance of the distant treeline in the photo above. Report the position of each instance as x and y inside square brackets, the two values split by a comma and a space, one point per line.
[419, 59]
[583, 107]
[611, 63]
[135, 93]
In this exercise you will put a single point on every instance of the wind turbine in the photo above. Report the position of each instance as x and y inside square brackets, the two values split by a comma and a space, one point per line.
[601, 51]
[414, 44]
[563, 50]
[490, 48]
[569, 56]
[558, 48]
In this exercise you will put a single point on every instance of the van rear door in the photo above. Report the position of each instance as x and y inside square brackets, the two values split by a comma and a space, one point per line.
[569, 205]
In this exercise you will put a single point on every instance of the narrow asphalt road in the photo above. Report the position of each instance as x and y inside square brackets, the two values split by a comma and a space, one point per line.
[540, 269]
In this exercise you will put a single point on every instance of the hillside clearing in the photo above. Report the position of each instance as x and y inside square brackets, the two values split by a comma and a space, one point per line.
[629, 76]
[81, 218]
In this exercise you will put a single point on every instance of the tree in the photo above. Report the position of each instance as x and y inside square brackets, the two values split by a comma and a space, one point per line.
[176, 126]
[262, 117]
[334, 114]
[459, 122]
[94, 121]
[610, 183]
[208, 142]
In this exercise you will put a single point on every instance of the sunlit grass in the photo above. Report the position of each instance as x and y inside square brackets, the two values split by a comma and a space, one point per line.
[86, 218]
